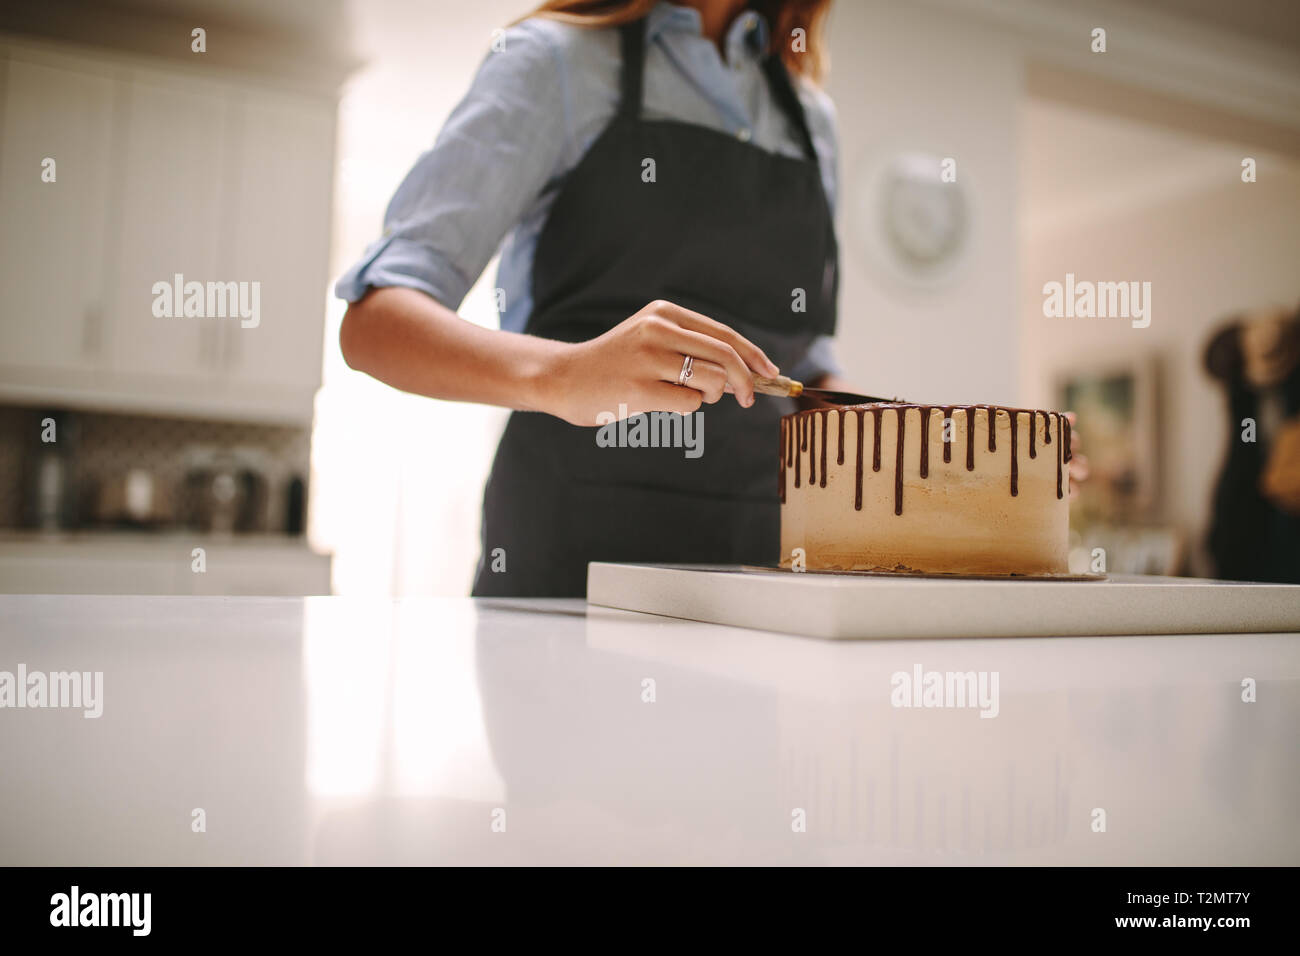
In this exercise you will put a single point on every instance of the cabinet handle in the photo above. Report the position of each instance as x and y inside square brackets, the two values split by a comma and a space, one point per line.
[92, 327]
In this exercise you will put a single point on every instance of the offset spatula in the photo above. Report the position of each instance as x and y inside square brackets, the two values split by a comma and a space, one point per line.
[781, 385]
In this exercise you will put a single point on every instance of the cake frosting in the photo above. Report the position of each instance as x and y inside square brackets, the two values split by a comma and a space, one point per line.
[877, 487]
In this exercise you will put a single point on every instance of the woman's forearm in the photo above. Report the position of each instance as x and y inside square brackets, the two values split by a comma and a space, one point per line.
[410, 341]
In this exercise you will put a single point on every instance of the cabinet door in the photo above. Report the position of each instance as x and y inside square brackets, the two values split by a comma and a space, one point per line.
[170, 221]
[71, 569]
[51, 243]
[273, 571]
[282, 193]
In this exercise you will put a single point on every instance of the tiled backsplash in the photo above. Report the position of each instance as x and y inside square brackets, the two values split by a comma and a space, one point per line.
[103, 448]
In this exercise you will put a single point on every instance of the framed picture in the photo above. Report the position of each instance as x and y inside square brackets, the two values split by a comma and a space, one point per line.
[1115, 402]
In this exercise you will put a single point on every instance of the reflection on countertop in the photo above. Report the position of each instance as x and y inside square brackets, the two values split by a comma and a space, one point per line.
[332, 731]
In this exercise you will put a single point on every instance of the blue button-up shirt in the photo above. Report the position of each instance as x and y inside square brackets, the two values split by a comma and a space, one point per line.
[538, 102]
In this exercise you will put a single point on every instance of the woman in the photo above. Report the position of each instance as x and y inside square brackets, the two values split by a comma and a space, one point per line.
[662, 177]
[1255, 523]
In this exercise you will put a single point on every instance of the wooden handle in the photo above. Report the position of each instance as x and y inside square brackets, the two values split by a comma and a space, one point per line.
[781, 385]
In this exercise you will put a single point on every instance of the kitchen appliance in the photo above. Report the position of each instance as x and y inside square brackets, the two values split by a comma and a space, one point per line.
[225, 491]
[133, 499]
[51, 485]
[295, 506]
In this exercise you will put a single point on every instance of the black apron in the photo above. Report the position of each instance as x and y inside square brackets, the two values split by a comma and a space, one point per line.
[725, 228]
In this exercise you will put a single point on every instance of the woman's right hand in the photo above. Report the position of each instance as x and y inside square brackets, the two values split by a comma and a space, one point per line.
[636, 364]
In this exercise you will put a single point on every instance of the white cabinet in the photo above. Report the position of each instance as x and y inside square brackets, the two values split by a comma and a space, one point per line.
[282, 240]
[170, 198]
[160, 173]
[52, 234]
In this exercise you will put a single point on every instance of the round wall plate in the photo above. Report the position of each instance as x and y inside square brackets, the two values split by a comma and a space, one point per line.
[912, 225]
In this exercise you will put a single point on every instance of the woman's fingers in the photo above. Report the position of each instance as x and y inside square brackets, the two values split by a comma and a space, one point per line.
[707, 377]
[663, 397]
[1078, 473]
[750, 353]
[1075, 440]
[642, 358]
[1078, 468]
[700, 346]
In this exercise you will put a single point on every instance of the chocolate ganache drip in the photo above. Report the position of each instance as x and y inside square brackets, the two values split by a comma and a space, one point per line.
[898, 462]
[1015, 459]
[970, 437]
[799, 435]
[812, 455]
[875, 452]
[947, 430]
[857, 497]
[925, 443]
[839, 459]
[825, 418]
[1059, 444]
[801, 441]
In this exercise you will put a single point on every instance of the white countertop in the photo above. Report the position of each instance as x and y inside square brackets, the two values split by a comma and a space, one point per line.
[338, 730]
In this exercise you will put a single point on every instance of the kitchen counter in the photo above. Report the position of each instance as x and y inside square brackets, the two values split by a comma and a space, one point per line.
[341, 731]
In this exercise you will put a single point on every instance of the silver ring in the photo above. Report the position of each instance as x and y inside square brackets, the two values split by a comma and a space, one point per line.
[687, 371]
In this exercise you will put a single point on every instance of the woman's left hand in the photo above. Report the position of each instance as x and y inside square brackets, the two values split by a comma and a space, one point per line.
[1078, 463]
[1280, 481]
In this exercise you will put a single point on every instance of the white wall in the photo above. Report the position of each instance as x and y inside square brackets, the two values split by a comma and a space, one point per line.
[1208, 253]
[904, 75]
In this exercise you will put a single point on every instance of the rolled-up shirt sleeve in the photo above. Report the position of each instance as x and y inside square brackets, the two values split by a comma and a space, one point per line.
[498, 151]
[819, 361]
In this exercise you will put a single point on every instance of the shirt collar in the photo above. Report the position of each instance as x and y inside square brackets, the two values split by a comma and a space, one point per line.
[746, 38]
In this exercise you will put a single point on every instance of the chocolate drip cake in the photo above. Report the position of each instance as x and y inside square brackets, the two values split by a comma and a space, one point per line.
[877, 487]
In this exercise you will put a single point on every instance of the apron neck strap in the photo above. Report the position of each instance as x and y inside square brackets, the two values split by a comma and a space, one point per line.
[779, 79]
[633, 43]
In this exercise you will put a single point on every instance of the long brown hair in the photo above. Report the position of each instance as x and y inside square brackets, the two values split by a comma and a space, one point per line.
[783, 16]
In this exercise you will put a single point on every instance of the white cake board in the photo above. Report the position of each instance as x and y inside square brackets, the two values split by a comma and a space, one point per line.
[861, 606]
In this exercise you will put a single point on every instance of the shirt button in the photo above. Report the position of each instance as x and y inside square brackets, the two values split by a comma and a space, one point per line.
[744, 134]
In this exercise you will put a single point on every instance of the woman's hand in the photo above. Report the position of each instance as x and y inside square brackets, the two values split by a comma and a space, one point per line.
[637, 363]
[1078, 463]
[1280, 481]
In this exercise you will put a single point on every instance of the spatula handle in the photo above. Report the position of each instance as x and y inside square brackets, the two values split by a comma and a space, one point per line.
[780, 385]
